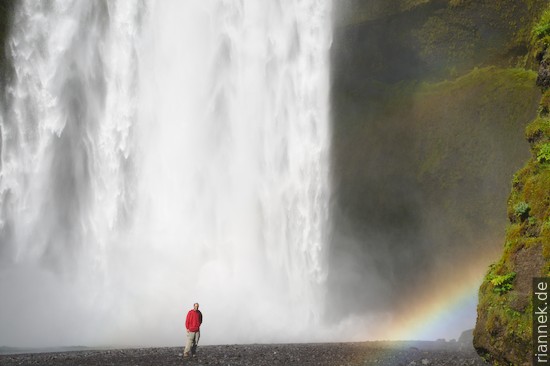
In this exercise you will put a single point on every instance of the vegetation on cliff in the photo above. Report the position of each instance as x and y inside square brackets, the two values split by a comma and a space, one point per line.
[503, 332]
[430, 100]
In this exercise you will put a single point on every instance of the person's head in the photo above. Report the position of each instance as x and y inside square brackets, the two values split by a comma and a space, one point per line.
[196, 306]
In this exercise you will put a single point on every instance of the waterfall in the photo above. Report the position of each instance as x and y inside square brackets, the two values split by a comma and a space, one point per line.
[160, 153]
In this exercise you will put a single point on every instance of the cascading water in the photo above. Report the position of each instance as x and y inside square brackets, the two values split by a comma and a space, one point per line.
[154, 154]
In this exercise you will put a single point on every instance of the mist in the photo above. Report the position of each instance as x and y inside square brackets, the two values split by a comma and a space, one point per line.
[425, 143]
[306, 171]
[157, 154]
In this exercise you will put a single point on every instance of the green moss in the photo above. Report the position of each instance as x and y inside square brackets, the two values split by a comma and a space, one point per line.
[543, 155]
[513, 233]
[445, 39]
[503, 333]
[541, 29]
[438, 31]
[438, 107]
[538, 130]
[503, 326]
[540, 39]
[537, 192]
[493, 78]
[407, 5]
[454, 142]
[544, 110]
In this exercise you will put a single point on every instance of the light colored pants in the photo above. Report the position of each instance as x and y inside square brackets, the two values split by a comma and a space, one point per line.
[192, 342]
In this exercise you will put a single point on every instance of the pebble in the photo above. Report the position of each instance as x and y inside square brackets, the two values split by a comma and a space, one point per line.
[322, 354]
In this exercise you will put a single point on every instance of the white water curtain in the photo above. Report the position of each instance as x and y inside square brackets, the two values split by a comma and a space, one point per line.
[160, 153]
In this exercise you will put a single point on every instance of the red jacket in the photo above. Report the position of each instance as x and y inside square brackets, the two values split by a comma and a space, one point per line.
[193, 320]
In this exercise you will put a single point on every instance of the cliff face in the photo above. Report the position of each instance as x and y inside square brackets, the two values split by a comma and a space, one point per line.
[430, 103]
[430, 100]
[6, 17]
[503, 332]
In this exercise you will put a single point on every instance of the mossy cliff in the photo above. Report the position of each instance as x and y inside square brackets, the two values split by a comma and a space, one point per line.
[430, 100]
[503, 332]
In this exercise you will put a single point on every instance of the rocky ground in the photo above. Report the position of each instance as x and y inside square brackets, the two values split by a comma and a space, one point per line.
[364, 353]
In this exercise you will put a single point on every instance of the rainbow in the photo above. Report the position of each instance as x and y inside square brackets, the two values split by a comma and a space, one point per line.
[447, 315]
[443, 313]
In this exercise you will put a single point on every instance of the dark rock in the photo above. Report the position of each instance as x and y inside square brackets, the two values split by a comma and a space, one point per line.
[543, 78]
[365, 353]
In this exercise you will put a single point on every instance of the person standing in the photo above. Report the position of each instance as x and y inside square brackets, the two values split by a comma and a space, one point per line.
[192, 324]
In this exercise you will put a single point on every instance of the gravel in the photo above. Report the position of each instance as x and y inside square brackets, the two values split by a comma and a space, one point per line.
[362, 353]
